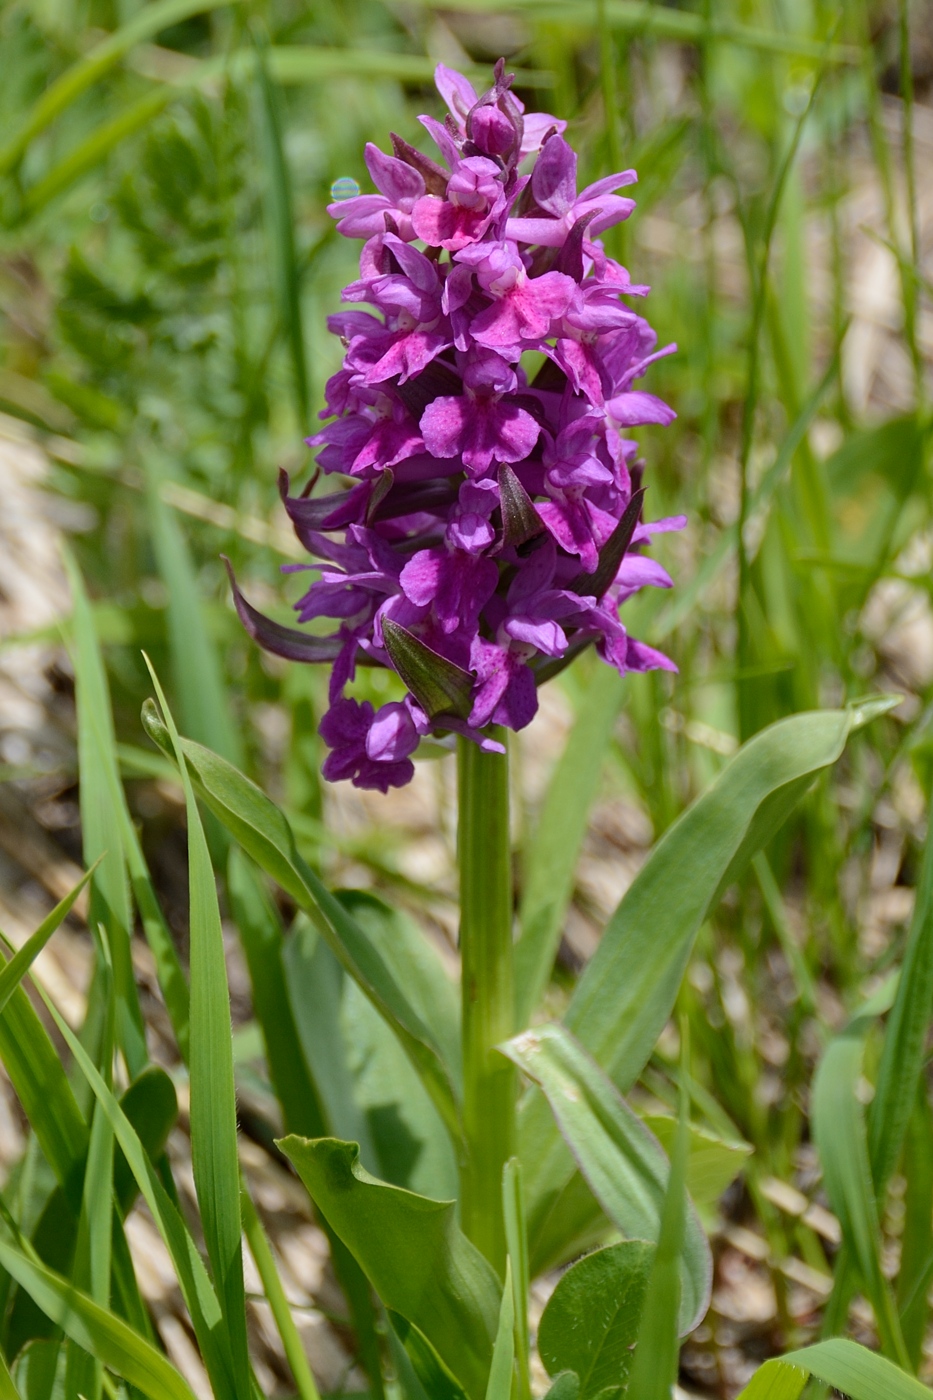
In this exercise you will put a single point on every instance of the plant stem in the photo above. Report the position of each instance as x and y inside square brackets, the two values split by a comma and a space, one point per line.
[487, 991]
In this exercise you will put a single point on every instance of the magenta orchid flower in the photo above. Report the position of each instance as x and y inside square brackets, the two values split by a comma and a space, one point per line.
[487, 528]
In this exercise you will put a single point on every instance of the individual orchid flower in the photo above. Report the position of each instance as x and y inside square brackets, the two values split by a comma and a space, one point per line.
[556, 204]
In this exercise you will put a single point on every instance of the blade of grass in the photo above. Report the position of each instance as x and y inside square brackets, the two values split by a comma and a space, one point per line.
[15, 970]
[280, 220]
[516, 1240]
[839, 1131]
[101, 828]
[197, 673]
[213, 1095]
[198, 1292]
[265, 1263]
[903, 1052]
[96, 1329]
[499, 1385]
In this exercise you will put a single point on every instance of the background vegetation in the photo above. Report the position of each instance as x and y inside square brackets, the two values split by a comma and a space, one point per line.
[166, 265]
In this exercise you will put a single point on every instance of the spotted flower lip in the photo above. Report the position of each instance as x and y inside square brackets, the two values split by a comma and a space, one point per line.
[488, 527]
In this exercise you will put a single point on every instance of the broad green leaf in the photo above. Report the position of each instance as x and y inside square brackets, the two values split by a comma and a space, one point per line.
[838, 1126]
[417, 965]
[624, 997]
[266, 836]
[151, 1107]
[96, 1330]
[848, 1367]
[566, 1387]
[287, 1002]
[101, 827]
[316, 985]
[623, 1164]
[554, 848]
[591, 1320]
[214, 1156]
[654, 1369]
[626, 993]
[39, 1370]
[713, 1162]
[499, 1385]
[904, 1048]
[413, 1252]
[262, 936]
[15, 970]
[411, 1145]
[432, 1380]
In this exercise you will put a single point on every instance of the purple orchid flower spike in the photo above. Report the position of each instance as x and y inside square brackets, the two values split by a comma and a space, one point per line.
[485, 529]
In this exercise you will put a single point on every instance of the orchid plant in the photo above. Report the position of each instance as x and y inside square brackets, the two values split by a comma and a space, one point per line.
[487, 530]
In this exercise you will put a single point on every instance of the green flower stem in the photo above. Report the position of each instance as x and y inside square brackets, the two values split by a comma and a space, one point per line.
[488, 993]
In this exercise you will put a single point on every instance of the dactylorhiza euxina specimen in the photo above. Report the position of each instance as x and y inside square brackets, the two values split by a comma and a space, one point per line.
[492, 526]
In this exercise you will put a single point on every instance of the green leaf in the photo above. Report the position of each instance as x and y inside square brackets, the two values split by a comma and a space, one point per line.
[197, 1290]
[262, 936]
[917, 1239]
[904, 1048]
[214, 1156]
[96, 1330]
[8, 1390]
[566, 1387]
[151, 1107]
[654, 1370]
[15, 970]
[713, 1162]
[623, 1164]
[422, 1365]
[591, 1320]
[554, 849]
[516, 1243]
[103, 780]
[101, 827]
[499, 1385]
[278, 1302]
[838, 1126]
[845, 1365]
[42, 1087]
[626, 993]
[413, 1252]
[266, 836]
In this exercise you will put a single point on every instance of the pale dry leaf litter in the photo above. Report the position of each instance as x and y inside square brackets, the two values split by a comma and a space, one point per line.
[38, 823]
